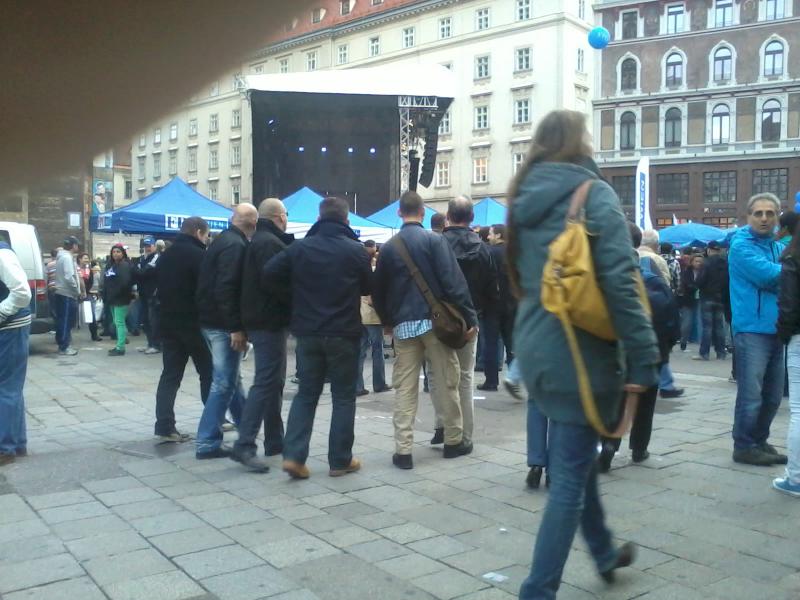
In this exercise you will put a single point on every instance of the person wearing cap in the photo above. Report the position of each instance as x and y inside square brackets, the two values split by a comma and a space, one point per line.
[66, 293]
[712, 282]
[145, 276]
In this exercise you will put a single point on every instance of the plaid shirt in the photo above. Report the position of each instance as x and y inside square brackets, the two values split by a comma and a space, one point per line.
[412, 329]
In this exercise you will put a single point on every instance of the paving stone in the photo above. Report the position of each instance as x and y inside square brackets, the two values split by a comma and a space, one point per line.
[348, 536]
[82, 588]
[410, 566]
[230, 516]
[148, 508]
[37, 571]
[10, 532]
[184, 490]
[408, 532]
[351, 510]
[446, 519]
[683, 571]
[166, 523]
[208, 563]
[190, 540]
[299, 512]
[59, 499]
[172, 585]
[328, 500]
[296, 595]
[440, 546]
[115, 484]
[675, 591]
[740, 588]
[128, 496]
[377, 550]
[31, 547]
[73, 512]
[250, 584]
[107, 544]
[142, 468]
[751, 567]
[210, 501]
[378, 520]
[477, 562]
[13, 508]
[131, 565]
[318, 524]
[389, 498]
[449, 583]
[262, 532]
[513, 544]
[73, 530]
[495, 594]
[294, 550]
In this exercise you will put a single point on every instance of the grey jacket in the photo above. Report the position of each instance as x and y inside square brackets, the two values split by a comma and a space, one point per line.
[66, 275]
[538, 215]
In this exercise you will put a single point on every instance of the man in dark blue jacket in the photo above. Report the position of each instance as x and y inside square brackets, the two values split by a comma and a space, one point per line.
[401, 305]
[327, 272]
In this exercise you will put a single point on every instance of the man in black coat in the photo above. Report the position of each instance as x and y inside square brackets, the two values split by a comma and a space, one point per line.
[712, 282]
[265, 317]
[177, 272]
[327, 272]
[219, 308]
[145, 277]
[498, 322]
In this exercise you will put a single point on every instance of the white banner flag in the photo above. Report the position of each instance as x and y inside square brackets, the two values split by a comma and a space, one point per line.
[643, 194]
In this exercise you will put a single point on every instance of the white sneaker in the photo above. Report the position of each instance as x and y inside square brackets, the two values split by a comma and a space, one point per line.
[142, 349]
[152, 351]
[70, 351]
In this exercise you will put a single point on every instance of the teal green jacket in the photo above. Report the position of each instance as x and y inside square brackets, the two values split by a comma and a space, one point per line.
[538, 215]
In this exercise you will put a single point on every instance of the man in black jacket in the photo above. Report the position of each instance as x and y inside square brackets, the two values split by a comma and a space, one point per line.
[498, 322]
[401, 305]
[712, 282]
[477, 264]
[265, 317]
[145, 278]
[176, 274]
[327, 272]
[219, 308]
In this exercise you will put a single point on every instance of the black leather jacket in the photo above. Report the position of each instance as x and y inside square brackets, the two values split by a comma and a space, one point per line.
[789, 299]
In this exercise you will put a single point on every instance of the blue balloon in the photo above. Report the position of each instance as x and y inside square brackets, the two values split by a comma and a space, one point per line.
[599, 38]
[797, 202]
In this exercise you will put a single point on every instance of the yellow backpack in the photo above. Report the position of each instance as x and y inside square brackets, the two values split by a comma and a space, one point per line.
[570, 291]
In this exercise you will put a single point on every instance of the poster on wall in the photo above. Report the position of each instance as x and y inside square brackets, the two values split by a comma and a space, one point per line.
[102, 196]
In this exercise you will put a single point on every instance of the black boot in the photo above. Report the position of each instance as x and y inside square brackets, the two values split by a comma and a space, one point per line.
[534, 477]
[438, 436]
[605, 458]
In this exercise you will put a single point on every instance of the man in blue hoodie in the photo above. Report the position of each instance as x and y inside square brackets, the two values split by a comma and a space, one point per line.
[754, 273]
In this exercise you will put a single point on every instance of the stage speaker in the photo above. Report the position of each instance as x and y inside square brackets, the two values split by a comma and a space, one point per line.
[429, 156]
[413, 173]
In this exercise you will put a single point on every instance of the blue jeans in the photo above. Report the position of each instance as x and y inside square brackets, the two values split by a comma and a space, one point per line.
[13, 366]
[372, 338]
[759, 381]
[537, 436]
[514, 375]
[713, 324]
[337, 358]
[573, 500]
[226, 390]
[665, 379]
[688, 318]
[265, 398]
[793, 435]
[66, 312]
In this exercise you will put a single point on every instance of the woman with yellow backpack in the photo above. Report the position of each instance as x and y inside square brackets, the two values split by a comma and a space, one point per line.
[581, 302]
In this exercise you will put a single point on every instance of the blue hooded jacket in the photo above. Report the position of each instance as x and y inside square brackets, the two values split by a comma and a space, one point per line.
[754, 266]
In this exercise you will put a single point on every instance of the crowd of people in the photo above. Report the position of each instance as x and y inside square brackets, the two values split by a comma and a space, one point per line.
[255, 285]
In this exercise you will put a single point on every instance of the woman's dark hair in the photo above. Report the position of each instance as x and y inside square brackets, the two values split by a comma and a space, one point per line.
[560, 137]
[793, 249]
[484, 234]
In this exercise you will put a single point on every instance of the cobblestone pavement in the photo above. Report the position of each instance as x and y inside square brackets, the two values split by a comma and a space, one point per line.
[98, 511]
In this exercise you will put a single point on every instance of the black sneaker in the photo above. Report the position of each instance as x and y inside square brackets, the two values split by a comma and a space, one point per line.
[753, 456]
[362, 392]
[438, 436]
[221, 452]
[251, 461]
[625, 557]
[534, 478]
[605, 458]
[116, 352]
[455, 450]
[673, 393]
[403, 461]
[640, 455]
[777, 457]
[485, 387]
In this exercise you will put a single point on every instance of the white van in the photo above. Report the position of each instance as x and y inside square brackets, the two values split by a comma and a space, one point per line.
[25, 243]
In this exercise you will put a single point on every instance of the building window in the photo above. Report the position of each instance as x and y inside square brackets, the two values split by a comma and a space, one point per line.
[374, 46]
[213, 158]
[157, 135]
[523, 10]
[719, 186]
[720, 124]
[522, 111]
[173, 162]
[723, 64]
[236, 154]
[156, 166]
[235, 195]
[675, 18]
[481, 117]
[259, 69]
[672, 188]
[316, 15]
[625, 187]
[445, 28]
[771, 121]
[192, 160]
[674, 75]
[311, 61]
[627, 131]
[480, 170]
[128, 189]
[141, 168]
[212, 190]
[377, 2]
[192, 127]
[630, 25]
[628, 75]
[409, 35]
[344, 7]
[673, 128]
[773, 59]
[723, 13]
[775, 9]
[142, 141]
[481, 19]
[443, 173]
[444, 124]
[582, 9]
[516, 161]
[214, 89]
[236, 118]
[774, 181]
[173, 132]
[581, 61]
[213, 123]
[283, 65]
[522, 60]
[482, 67]
[341, 54]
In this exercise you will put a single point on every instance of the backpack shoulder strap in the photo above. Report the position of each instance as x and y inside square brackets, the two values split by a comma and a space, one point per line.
[415, 272]
[577, 204]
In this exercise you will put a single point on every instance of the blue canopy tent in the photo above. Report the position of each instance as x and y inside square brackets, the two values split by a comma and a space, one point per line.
[388, 216]
[686, 233]
[489, 212]
[163, 212]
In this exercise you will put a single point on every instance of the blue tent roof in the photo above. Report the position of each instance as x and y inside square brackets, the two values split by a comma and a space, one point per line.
[303, 205]
[163, 211]
[686, 233]
[388, 217]
[489, 212]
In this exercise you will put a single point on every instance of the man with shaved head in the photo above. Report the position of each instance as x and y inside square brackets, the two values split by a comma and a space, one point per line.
[219, 309]
[265, 316]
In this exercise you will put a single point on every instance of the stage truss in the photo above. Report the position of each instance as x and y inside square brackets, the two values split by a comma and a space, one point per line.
[410, 107]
